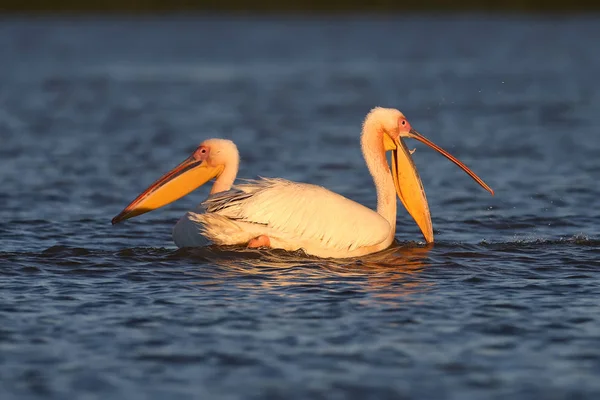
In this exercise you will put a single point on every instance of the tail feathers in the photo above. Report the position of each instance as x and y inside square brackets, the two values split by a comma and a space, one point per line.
[223, 231]
[220, 230]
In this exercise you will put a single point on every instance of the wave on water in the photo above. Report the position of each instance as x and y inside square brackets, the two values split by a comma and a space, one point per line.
[209, 252]
[399, 254]
[576, 240]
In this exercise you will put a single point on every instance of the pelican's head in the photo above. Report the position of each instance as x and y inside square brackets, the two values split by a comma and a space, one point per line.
[208, 161]
[408, 184]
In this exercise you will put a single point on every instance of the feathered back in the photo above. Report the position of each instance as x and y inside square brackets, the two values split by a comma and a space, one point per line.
[300, 210]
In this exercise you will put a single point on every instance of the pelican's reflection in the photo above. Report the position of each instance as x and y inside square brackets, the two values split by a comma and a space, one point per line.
[385, 275]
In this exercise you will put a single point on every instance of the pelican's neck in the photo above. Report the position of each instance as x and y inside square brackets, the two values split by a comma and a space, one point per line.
[375, 158]
[227, 177]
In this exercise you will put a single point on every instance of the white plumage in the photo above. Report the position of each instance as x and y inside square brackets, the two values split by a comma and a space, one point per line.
[187, 232]
[293, 215]
[286, 215]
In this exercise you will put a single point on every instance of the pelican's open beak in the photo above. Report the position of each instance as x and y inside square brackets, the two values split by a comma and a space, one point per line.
[408, 183]
[181, 180]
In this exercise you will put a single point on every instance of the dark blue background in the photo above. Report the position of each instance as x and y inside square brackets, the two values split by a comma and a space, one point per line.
[503, 305]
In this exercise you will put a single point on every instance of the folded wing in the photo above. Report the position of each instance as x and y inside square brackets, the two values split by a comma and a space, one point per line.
[308, 212]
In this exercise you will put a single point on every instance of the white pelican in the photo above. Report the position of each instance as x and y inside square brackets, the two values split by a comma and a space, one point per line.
[282, 214]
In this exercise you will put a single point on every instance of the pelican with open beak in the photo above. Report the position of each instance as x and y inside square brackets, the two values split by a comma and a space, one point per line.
[281, 214]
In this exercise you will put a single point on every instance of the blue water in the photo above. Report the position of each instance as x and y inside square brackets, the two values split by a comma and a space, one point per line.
[504, 305]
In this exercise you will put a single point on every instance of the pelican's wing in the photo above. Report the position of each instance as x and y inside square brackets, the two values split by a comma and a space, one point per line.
[303, 211]
[218, 201]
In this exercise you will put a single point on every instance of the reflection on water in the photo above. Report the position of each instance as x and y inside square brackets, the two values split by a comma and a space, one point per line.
[385, 275]
[503, 305]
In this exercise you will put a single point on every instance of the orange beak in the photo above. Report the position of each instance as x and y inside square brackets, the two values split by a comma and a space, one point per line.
[416, 135]
[180, 181]
[408, 183]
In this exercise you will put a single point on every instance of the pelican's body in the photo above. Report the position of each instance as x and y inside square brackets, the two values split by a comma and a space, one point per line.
[282, 214]
[292, 215]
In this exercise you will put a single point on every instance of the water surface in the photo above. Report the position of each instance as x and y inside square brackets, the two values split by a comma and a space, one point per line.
[505, 304]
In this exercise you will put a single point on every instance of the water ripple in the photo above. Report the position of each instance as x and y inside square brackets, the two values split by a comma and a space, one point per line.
[503, 305]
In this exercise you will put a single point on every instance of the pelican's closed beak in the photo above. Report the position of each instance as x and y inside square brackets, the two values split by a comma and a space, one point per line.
[180, 181]
[408, 183]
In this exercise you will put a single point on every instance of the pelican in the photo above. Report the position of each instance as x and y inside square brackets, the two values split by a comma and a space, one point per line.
[281, 214]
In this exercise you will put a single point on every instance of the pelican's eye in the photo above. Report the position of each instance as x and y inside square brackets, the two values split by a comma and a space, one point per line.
[202, 153]
[403, 125]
